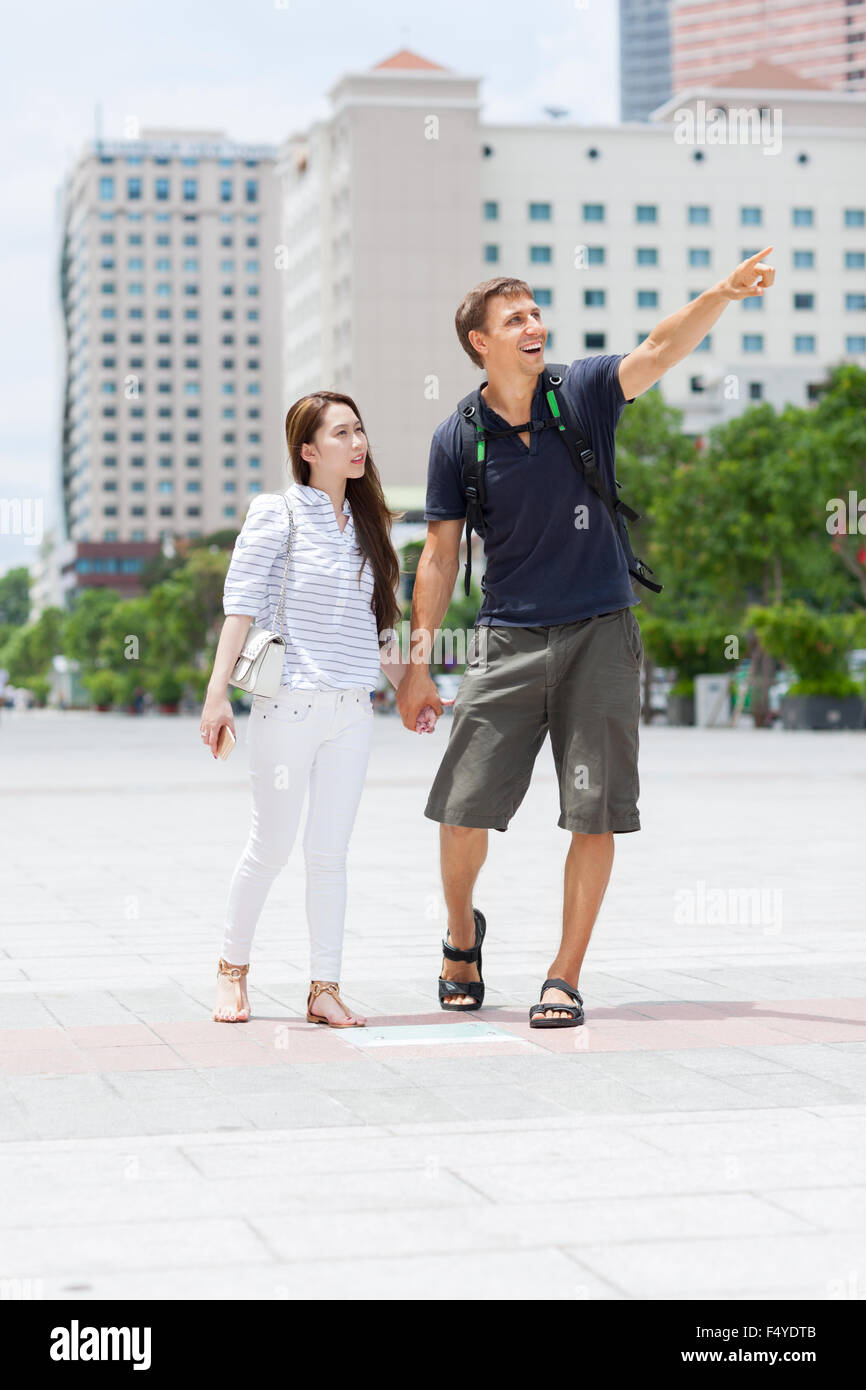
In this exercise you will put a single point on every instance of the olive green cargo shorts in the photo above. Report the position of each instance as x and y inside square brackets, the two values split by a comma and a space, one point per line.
[580, 681]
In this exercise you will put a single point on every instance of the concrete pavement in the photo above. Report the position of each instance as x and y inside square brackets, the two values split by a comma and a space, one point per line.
[700, 1136]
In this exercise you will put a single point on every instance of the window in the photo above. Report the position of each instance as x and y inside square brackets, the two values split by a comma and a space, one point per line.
[699, 214]
[756, 390]
[133, 189]
[593, 340]
[699, 256]
[226, 194]
[705, 345]
[855, 342]
[802, 217]
[595, 255]
[752, 305]
[541, 255]
[227, 267]
[855, 260]
[647, 299]
[543, 298]
[491, 252]
[491, 212]
[106, 190]
[161, 190]
[646, 212]
[855, 302]
[753, 342]
[855, 217]
[804, 260]
[646, 255]
[190, 190]
[539, 212]
[804, 342]
[751, 217]
[593, 212]
[594, 299]
[251, 190]
[804, 301]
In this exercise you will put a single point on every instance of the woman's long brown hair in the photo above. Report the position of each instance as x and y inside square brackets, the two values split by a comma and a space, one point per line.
[371, 514]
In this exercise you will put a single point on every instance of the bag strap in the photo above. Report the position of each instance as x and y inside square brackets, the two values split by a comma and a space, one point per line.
[474, 451]
[583, 459]
[280, 615]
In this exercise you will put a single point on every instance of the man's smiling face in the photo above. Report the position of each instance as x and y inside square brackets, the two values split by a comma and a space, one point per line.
[514, 337]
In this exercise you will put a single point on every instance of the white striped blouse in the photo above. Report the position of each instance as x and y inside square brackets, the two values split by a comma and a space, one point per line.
[330, 629]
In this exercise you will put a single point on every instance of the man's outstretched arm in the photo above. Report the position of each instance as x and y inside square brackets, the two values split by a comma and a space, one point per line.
[679, 334]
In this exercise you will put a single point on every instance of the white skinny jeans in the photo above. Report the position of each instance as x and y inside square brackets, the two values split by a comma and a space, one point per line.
[296, 738]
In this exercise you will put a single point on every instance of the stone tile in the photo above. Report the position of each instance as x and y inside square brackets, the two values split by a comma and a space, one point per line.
[45, 1250]
[673, 1269]
[828, 1208]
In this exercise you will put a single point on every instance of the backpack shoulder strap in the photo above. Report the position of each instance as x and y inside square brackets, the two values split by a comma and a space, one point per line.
[583, 459]
[473, 464]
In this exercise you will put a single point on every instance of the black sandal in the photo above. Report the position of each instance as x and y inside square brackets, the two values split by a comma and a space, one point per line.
[475, 988]
[575, 1010]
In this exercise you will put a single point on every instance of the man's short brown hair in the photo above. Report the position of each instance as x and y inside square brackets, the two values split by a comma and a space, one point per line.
[471, 316]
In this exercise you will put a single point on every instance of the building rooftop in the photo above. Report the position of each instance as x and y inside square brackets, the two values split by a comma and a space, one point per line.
[770, 76]
[406, 59]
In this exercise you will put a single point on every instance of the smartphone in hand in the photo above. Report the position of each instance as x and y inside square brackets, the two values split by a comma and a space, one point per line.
[225, 742]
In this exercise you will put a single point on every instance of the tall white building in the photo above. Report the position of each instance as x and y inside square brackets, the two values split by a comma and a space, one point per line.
[402, 199]
[171, 335]
[644, 57]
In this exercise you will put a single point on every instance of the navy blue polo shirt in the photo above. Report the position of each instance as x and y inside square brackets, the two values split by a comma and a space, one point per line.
[548, 562]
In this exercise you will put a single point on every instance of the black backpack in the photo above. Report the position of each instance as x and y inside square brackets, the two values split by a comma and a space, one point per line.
[474, 448]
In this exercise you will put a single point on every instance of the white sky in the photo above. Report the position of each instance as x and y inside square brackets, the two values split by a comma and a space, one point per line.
[243, 66]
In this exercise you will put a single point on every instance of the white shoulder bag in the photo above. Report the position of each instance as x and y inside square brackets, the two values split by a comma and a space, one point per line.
[259, 668]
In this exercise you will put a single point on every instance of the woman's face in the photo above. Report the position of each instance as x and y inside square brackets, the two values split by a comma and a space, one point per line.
[339, 447]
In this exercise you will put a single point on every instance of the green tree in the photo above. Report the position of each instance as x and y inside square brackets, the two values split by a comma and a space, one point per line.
[834, 445]
[15, 597]
[86, 624]
[29, 651]
[187, 608]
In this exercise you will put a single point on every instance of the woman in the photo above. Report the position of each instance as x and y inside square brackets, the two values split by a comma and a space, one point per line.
[317, 731]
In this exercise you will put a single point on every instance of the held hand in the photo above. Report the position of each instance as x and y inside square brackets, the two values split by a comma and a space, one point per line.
[416, 689]
[426, 721]
[751, 277]
[215, 714]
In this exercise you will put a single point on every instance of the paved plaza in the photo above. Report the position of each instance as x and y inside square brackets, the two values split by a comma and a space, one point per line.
[701, 1136]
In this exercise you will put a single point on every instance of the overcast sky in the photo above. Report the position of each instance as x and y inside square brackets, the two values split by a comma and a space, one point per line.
[257, 69]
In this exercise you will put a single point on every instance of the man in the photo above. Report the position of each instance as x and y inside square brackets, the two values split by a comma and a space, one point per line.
[556, 645]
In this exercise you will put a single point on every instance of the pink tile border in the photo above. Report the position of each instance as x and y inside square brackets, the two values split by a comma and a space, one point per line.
[668, 1026]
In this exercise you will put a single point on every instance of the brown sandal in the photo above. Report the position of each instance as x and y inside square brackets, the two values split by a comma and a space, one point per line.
[317, 988]
[236, 973]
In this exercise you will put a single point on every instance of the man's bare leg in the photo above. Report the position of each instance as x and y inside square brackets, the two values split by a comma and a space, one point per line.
[587, 872]
[462, 851]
